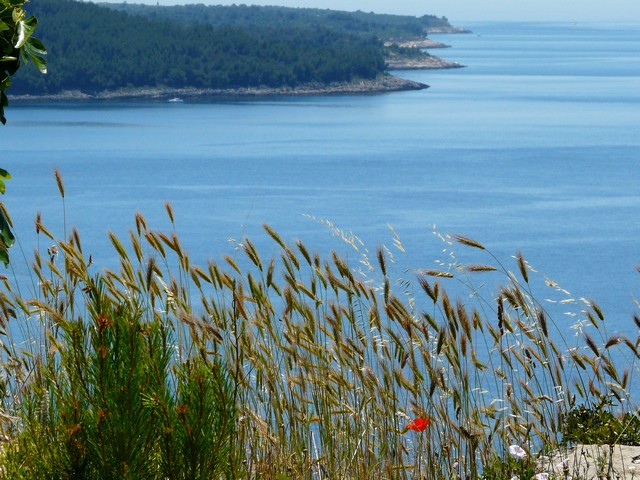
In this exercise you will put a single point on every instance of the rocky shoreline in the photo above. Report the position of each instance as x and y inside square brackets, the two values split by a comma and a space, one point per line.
[426, 62]
[419, 43]
[423, 61]
[621, 462]
[381, 84]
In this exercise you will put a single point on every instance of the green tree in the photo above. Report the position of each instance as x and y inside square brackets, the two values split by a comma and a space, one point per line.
[16, 44]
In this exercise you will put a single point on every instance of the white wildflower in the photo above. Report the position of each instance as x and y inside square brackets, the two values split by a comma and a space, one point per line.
[517, 451]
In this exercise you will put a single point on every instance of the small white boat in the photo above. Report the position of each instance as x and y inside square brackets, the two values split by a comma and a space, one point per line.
[175, 100]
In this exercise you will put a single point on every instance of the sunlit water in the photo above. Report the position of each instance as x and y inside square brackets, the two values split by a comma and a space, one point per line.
[534, 146]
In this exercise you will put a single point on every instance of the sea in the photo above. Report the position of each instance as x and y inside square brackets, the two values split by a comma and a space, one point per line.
[533, 148]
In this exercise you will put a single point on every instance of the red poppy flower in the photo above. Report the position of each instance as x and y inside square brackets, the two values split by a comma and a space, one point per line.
[419, 424]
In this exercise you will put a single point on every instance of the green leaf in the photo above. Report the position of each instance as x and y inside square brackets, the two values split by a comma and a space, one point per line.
[38, 61]
[4, 175]
[4, 256]
[4, 101]
[25, 30]
[6, 235]
[31, 47]
[6, 239]
[36, 46]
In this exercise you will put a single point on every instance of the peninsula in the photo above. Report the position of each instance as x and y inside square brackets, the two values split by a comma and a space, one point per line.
[118, 51]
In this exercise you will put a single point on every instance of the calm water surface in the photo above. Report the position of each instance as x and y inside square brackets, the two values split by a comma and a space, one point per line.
[534, 146]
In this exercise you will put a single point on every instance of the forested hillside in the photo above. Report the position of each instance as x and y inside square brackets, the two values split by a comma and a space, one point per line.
[399, 27]
[92, 48]
[95, 48]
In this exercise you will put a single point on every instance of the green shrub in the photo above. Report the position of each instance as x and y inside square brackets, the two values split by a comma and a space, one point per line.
[598, 425]
[111, 400]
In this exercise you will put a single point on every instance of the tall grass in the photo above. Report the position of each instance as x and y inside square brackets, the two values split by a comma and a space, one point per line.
[289, 367]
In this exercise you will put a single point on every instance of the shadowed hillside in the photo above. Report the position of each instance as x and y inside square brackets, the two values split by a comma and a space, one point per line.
[93, 48]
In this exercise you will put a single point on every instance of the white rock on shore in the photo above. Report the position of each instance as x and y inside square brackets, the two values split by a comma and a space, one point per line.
[428, 62]
[595, 462]
[423, 43]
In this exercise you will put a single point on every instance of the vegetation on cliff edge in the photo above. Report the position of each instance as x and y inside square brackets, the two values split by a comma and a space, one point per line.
[95, 48]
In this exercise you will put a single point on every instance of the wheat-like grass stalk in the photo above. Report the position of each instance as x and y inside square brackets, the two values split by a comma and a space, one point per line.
[328, 362]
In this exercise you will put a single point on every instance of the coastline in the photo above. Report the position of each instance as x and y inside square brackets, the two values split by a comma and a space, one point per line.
[426, 62]
[423, 61]
[420, 43]
[381, 84]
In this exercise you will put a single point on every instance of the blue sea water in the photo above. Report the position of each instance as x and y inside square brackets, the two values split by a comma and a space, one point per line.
[533, 147]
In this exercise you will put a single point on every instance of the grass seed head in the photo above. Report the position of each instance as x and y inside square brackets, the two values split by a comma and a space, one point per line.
[468, 241]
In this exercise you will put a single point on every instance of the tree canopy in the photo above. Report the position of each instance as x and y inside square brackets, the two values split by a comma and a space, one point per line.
[94, 48]
[103, 47]
[384, 26]
[17, 44]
